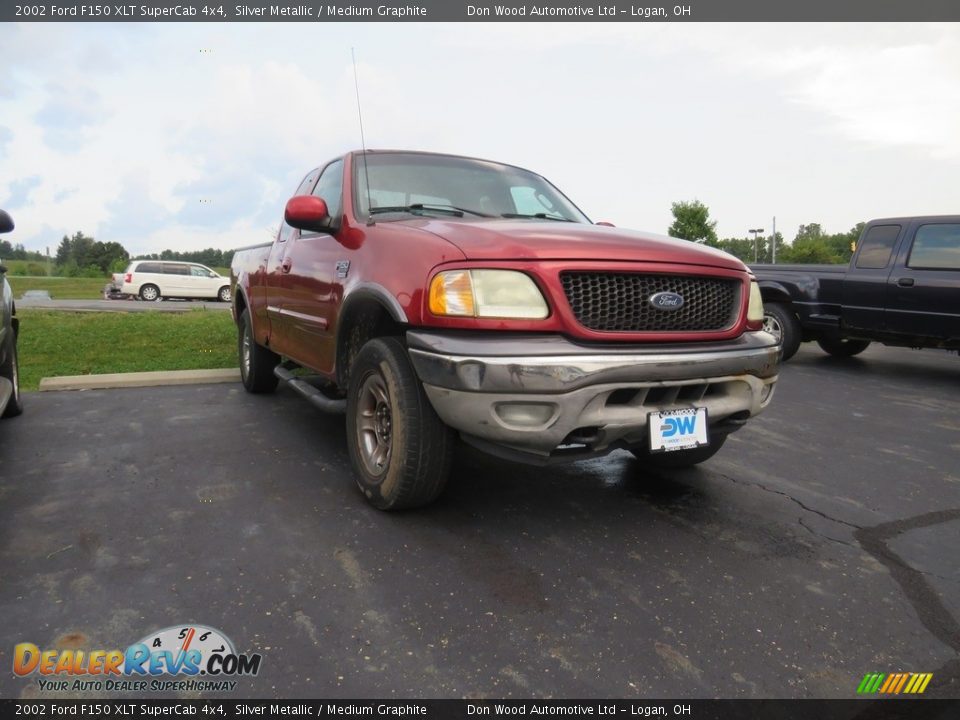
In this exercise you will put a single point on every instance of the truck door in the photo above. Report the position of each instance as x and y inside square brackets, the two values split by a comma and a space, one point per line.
[923, 293]
[865, 284]
[313, 286]
[277, 268]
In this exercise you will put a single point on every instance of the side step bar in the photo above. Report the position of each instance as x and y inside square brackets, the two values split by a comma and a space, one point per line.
[316, 398]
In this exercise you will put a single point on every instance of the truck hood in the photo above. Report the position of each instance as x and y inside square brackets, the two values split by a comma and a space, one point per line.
[553, 240]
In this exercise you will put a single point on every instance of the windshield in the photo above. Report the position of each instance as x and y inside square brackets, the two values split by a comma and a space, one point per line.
[445, 186]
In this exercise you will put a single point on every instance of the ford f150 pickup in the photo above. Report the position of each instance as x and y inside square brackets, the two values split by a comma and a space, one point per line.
[902, 287]
[430, 295]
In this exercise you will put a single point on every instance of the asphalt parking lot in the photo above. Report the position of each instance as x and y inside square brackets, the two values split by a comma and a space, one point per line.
[819, 545]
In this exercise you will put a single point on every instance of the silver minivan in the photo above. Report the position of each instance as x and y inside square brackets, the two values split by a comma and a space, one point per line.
[158, 279]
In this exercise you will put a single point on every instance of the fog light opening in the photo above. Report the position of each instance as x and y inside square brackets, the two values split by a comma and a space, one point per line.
[525, 414]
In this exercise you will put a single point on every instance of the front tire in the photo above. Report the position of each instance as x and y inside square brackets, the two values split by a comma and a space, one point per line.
[842, 347]
[223, 295]
[11, 371]
[679, 458]
[150, 293]
[400, 449]
[781, 322]
[256, 362]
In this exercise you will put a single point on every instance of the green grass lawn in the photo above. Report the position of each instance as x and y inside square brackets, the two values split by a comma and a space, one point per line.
[60, 288]
[62, 343]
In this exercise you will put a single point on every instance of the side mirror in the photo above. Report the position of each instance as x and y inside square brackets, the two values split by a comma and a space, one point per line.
[605, 223]
[6, 222]
[307, 212]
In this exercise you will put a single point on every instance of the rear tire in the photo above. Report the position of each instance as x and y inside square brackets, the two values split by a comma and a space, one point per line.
[400, 449]
[11, 371]
[781, 322]
[842, 347]
[256, 362]
[223, 295]
[150, 293]
[679, 458]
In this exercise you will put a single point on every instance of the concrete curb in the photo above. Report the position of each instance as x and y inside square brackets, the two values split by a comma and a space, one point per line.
[139, 379]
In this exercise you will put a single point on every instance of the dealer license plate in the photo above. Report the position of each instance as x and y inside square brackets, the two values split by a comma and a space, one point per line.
[677, 429]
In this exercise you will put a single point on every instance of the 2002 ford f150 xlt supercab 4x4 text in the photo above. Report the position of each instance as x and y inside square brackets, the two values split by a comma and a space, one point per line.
[431, 295]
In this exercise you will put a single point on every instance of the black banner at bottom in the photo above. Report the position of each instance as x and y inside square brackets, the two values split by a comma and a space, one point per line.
[860, 709]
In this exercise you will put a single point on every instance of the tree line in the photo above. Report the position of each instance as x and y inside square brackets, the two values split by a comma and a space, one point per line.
[18, 252]
[210, 257]
[82, 256]
[811, 244]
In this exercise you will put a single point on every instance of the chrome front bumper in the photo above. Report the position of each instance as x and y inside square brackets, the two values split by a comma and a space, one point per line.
[540, 397]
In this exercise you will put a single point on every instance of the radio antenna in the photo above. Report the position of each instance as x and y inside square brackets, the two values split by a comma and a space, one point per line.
[363, 144]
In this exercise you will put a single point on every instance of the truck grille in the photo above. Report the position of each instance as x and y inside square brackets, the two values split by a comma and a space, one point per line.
[619, 302]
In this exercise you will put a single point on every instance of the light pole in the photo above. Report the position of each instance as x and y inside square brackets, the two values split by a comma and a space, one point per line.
[773, 242]
[755, 232]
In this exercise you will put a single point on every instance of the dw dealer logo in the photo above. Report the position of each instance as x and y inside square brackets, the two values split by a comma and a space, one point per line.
[181, 651]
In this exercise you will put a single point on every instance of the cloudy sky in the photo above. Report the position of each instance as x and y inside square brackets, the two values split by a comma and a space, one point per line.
[189, 136]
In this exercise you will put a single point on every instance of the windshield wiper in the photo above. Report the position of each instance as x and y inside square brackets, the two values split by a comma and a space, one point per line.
[433, 207]
[538, 216]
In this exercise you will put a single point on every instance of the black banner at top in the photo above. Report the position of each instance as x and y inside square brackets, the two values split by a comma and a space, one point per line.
[484, 11]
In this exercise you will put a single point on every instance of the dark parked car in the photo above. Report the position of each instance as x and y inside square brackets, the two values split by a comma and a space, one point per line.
[10, 402]
[902, 287]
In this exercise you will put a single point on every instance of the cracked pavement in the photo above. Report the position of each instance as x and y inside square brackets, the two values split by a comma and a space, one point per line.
[819, 545]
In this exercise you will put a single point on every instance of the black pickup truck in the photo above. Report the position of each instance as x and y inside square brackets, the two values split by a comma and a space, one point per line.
[902, 287]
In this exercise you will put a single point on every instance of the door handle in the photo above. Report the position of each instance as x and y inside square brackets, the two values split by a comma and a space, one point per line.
[286, 265]
[905, 282]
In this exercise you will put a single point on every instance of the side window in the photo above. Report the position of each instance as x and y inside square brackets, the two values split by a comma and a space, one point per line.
[330, 188]
[176, 270]
[876, 246]
[305, 187]
[198, 271]
[149, 268]
[936, 247]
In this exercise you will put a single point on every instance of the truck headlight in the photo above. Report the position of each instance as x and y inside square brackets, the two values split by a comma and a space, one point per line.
[755, 309]
[486, 293]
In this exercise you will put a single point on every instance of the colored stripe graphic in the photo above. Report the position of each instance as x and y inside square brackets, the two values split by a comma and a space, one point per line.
[894, 684]
[870, 683]
[900, 684]
[891, 679]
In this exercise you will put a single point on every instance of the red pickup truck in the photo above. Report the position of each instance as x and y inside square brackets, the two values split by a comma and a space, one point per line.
[429, 296]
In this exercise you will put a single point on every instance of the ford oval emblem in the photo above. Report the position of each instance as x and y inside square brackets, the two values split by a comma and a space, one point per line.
[666, 301]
